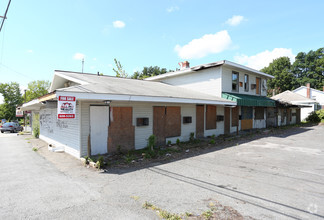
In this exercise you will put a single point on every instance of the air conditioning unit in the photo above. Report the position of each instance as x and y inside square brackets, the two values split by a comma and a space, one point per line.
[253, 86]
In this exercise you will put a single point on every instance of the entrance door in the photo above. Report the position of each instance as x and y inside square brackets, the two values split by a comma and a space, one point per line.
[247, 118]
[227, 120]
[99, 122]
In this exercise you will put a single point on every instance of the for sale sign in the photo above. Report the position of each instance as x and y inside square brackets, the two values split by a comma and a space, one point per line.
[19, 113]
[66, 107]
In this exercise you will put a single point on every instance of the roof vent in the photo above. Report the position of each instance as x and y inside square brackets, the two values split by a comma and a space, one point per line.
[184, 65]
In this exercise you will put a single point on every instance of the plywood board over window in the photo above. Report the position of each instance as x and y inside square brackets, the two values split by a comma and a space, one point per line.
[235, 116]
[173, 121]
[200, 121]
[166, 122]
[259, 113]
[121, 130]
[211, 117]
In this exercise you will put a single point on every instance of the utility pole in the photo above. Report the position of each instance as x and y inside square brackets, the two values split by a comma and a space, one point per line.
[24, 112]
[82, 64]
[5, 15]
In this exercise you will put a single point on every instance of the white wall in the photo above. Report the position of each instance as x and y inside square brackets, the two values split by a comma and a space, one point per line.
[260, 123]
[60, 132]
[227, 81]
[304, 112]
[206, 81]
[314, 94]
[140, 110]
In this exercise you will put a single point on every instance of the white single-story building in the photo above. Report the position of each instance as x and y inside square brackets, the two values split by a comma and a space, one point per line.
[90, 114]
[315, 95]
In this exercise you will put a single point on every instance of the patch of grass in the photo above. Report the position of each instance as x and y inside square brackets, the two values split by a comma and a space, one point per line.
[207, 214]
[135, 197]
[129, 157]
[28, 142]
[28, 138]
[178, 142]
[212, 141]
[35, 149]
[162, 213]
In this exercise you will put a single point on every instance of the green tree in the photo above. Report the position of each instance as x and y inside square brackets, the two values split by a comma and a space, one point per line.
[309, 68]
[36, 89]
[284, 80]
[120, 72]
[12, 98]
[149, 71]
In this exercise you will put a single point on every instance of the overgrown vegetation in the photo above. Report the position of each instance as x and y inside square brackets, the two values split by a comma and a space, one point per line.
[316, 116]
[162, 213]
[151, 142]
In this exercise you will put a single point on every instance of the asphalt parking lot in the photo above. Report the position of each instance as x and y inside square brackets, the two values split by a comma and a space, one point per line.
[274, 177]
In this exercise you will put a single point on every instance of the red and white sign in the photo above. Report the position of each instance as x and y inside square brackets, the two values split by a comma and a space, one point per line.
[66, 107]
[19, 113]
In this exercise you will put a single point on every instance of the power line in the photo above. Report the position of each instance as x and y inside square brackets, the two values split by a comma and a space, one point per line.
[5, 15]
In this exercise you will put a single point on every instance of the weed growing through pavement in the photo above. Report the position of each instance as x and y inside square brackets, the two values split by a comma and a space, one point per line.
[35, 149]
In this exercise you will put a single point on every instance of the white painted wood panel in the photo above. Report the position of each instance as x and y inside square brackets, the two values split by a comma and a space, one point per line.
[62, 132]
[99, 122]
[206, 81]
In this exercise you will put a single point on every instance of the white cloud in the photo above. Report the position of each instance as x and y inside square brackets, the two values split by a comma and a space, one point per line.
[94, 59]
[119, 24]
[110, 65]
[78, 56]
[207, 44]
[235, 20]
[30, 51]
[172, 9]
[264, 58]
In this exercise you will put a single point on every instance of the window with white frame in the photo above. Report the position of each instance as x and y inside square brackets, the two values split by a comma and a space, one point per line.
[246, 82]
[235, 81]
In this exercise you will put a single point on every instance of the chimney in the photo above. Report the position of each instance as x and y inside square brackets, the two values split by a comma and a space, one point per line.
[184, 65]
[308, 90]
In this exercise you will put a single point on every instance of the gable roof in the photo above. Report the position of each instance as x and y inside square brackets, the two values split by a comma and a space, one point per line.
[292, 98]
[226, 63]
[304, 87]
[133, 89]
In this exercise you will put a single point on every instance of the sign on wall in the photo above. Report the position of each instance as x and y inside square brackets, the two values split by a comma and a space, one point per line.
[66, 107]
[19, 113]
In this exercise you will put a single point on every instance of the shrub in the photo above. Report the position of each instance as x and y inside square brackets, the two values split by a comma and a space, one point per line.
[192, 137]
[212, 141]
[151, 141]
[36, 132]
[315, 116]
[178, 142]
[100, 162]
[169, 142]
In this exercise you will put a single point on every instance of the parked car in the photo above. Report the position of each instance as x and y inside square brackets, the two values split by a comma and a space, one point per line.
[11, 126]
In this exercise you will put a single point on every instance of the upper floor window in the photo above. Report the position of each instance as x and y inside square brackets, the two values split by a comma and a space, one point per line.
[235, 81]
[246, 83]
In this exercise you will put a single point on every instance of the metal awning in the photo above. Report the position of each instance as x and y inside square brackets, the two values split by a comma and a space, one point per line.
[249, 100]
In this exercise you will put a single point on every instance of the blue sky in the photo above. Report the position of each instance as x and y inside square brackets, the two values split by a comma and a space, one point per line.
[39, 37]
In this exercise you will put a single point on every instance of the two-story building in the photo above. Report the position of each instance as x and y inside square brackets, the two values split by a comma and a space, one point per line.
[235, 82]
[89, 114]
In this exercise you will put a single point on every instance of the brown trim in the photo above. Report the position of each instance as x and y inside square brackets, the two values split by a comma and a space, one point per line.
[200, 119]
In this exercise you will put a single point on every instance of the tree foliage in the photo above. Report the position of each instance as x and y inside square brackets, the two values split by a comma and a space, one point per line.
[149, 71]
[12, 98]
[120, 72]
[36, 89]
[307, 68]
[281, 69]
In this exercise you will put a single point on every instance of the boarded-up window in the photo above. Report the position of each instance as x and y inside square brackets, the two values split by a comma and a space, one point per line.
[247, 112]
[259, 113]
[235, 116]
[173, 121]
[211, 117]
